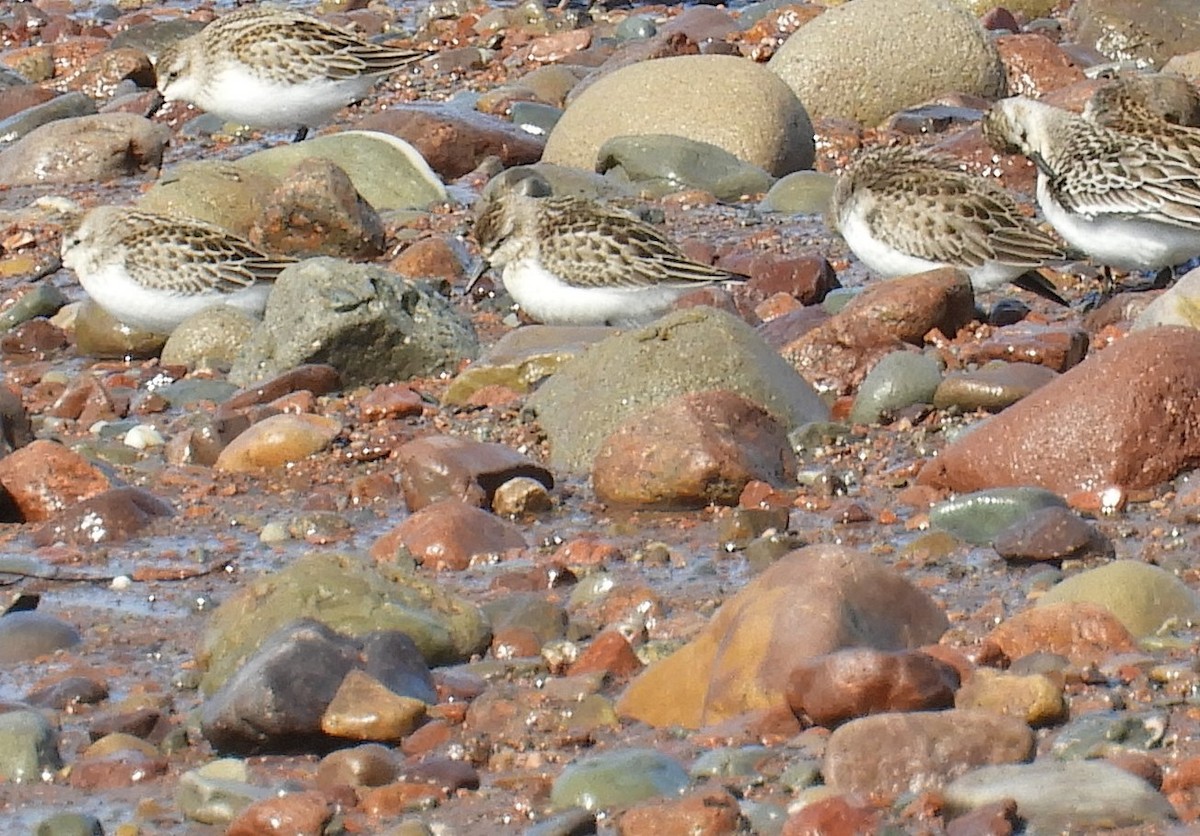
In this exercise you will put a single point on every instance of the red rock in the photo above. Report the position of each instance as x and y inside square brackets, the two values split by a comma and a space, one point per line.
[109, 517]
[125, 768]
[766, 726]
[836, 816]
[315, 210]
[695, 450]
[448, 534]
[394, 799]
[440, 257]
[609, 653]
[294, 814]
[391, 400]
[838, 353]
[999, 818]
[15, 99]
[515, 642]
[455, 140]
[851, 683]
[317, 378]
[85, 394]
[44, 477]
[1082, 632]
[439, 467]
[1128, 416]
[806, 278]
[1140, 764]
[1183, 775]
[1035, 65]
[711, 811]
[1057, 347]
[891, 754]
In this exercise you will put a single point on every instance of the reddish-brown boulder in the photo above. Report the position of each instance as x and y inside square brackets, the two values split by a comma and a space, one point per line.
[1127, 416]
[444, 466]
[448, 534]
[44, 477]
[1082, 632]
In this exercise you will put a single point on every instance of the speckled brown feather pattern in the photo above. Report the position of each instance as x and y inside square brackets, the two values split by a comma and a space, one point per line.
[181, 257]
[585, 244]
[290, 47]
[923, 204]
[1094, 170]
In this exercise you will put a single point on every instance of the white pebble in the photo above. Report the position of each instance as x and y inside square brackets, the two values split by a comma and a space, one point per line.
[121, 583]
[143, 436]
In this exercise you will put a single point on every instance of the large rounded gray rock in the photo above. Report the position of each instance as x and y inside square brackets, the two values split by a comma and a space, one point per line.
[691, 350]
[370, 324]
[27, 635]
[729, 102]
[1055, 797]
[85, 149]
[868, 59]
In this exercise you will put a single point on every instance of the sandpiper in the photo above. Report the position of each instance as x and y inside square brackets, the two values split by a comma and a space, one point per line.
[905, 210]
[275, 68]
[569, 260]
[1129, 199]
[153, 271]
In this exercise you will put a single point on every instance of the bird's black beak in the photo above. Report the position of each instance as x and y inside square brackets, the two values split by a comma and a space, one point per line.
[477, 270]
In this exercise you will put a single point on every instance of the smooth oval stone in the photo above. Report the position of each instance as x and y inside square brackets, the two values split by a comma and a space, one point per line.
[992, 387]
[61, 107]
[1050, 534]
[99, 334]
[28, 747]
[740, 760]
[535, 118]
[617, 779]
[43, 300]
[675, 163]
[278, 440]
[1056, 797]
[800, 193]
[210, 338]
[27, 635]
[635, 28]
[69, 824]
[369, 765]
[900, 379]
[189, 391]
[977, 518]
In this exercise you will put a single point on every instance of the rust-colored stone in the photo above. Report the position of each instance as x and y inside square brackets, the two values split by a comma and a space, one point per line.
[1128, 416]
[1035, 65]
[1084, 633]
[296, 814]
[710, 811]
[851, 683]
[448, 534]
[44, 477]
[835, 816]
[440, 467]
[608, 653]
[1057, 347]
[695, 450]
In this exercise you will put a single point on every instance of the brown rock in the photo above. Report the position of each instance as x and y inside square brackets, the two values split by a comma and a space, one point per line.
[16, 430]
[695, 450]
[996, 819]
[394, 799]
[1084, 633]
[888, 314]
[316, 210]
[296, 814]
[44, 477]
[109, 517]
[444, 466]
[440, 257]
[1130, 30]
[369, 765]
[811, 602]
[890, 754]
[453, 140]
[1058, 347]
[448, 534]
[835, 816]
[609, 653]
[126, 768]
[1035, 65]
[85, 395]
[1128, 416]
[445, 773]
[277, 441]
[851, 683]
[391, 400]
[318, 378]
[806, 278]
[993, 387]
[711, 811]
[365, 709]
[105, 70]
[1035, 698]
[84, 149]
[1051, 534]
[15, 99]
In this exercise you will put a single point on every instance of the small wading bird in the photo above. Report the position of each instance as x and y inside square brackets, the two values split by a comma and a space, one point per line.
[1129, 199]
[275, 69]
[153, 271]
[567, 260]
[904, 210]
